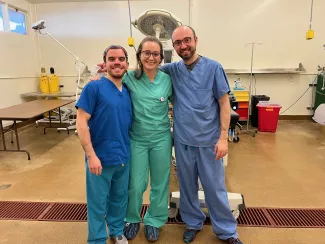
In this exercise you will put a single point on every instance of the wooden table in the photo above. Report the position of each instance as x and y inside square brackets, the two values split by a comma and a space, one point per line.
[26, 111]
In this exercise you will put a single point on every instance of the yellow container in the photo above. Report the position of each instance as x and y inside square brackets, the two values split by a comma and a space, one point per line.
[44, 82]
[241, 95]
[54, 83]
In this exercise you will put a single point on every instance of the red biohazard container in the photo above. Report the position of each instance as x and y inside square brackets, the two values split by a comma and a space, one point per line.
[268, 116]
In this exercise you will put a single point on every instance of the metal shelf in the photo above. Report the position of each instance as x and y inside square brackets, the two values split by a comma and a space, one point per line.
[299, 70]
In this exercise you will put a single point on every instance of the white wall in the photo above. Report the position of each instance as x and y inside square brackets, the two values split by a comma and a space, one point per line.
[86, 29]
[223, 28]
[17, 61]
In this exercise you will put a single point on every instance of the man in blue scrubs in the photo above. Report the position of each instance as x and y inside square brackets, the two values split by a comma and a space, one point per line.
[104, 120]
[201, 122]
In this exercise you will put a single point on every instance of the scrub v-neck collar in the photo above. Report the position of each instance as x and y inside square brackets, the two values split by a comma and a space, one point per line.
[113, 84]
[146, 78]
[197, 66]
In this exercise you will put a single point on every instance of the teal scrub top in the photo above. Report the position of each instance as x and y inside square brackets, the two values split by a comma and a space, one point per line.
[150, 104]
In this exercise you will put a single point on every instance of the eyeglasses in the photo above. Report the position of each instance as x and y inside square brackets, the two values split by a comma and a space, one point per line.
[186, 40]
[147, 54]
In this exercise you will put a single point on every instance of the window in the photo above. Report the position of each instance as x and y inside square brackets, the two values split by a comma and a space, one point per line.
[2, 28]
[12, 19]
[17, 21]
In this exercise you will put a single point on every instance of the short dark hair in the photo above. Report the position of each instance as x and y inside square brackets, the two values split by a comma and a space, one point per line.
[115, 47]
[194, 34]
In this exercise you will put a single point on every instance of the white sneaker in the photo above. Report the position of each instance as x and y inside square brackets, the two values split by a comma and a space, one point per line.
[121, 240]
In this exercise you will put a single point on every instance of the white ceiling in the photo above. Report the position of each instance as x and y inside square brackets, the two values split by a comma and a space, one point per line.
[62, 1]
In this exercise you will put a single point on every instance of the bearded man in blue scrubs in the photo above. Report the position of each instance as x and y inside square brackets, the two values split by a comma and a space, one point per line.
[104, 120]
[201, 122]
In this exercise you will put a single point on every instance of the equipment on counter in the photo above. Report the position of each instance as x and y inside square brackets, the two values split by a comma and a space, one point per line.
[44, 81]
[238, 85]
[53, 81]
[50, 89]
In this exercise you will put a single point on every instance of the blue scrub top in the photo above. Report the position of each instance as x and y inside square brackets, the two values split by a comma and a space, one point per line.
[110, 122]
[195, 104]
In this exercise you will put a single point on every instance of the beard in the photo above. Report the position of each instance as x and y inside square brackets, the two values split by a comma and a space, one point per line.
[116, 75]
[188, 56]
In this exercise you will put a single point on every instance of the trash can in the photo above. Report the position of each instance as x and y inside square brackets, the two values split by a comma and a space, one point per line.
[268, 116]
[254, 101]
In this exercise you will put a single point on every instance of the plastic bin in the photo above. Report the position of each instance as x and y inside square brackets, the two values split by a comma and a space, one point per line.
[268, 116]
[254, 101]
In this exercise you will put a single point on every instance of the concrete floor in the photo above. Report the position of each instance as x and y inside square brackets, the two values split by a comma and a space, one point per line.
[285, 169]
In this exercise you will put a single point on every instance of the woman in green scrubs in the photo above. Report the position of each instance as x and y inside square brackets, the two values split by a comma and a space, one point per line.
[151, 140]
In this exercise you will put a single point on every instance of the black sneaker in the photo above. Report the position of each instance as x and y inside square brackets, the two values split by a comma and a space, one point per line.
[131, 230]
[233, 241]
[189, 235]
[151, 233]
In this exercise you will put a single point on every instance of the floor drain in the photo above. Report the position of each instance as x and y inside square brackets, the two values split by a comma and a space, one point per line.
[4, 187]
[249, 217]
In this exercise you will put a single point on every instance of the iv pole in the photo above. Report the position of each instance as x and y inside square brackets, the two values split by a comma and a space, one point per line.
[250, 87]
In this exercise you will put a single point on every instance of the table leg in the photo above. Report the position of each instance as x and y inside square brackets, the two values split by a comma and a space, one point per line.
[50, 116]
[60, 117]
[50, 112]
[17, 139]
[58, 128]
[3, 136]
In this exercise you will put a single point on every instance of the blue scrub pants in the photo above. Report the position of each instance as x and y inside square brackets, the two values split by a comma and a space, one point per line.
[107, 200]
[200, 161]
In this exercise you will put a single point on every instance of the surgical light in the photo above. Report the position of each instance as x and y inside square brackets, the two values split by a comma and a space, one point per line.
[157, 22]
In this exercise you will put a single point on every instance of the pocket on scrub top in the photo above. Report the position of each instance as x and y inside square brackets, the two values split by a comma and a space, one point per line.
[202, 98]
[160, 105]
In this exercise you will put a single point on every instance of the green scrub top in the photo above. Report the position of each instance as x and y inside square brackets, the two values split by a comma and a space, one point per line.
[150, 102]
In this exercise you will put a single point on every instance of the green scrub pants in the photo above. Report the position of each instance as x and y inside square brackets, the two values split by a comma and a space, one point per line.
[153, 158]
